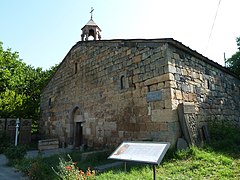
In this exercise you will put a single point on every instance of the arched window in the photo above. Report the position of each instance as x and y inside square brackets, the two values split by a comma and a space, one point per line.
[122, 82]
[50, 102]
[91, 32]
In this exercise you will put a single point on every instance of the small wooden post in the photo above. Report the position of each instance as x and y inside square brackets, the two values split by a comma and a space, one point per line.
[125, 166]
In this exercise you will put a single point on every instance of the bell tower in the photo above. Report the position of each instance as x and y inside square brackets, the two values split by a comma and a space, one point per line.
[91, 29]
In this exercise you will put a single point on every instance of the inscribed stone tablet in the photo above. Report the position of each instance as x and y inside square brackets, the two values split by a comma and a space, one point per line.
[154, 96]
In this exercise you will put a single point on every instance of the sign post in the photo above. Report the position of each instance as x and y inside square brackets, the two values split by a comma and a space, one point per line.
[154, 172]
[144, 152]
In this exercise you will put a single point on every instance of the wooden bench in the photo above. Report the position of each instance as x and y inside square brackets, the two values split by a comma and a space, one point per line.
[48, 144]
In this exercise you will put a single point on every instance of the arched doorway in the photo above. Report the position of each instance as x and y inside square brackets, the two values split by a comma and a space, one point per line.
[78, 127]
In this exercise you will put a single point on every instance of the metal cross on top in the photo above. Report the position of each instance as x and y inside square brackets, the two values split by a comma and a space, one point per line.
[91, 11]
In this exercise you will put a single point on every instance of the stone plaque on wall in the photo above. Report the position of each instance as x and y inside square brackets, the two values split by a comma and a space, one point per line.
[154, 96]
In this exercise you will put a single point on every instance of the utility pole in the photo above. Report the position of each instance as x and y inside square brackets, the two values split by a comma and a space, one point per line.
[224, 56]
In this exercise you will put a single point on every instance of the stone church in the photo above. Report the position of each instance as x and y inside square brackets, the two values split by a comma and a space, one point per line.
[108, 91]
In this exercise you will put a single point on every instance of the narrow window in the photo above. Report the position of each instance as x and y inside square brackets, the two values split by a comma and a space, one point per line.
[148, 88]
[49, 102]
[208, 84]
[122, 82]
[76, 68]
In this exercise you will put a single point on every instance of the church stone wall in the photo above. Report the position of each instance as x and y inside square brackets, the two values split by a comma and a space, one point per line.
[130, 90]
[121, 88]
[215, 92]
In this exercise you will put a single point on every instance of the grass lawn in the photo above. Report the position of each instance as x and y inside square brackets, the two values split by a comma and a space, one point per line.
[194, 163]
[219, 159]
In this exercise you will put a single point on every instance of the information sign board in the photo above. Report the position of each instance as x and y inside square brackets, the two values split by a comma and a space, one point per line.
[145, 152]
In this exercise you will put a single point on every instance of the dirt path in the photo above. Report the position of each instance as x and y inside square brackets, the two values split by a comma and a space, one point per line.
[9, 173]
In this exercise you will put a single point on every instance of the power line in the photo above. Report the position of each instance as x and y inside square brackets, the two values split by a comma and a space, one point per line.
[213, 25]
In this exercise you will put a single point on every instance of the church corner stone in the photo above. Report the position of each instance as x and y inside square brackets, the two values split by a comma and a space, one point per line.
[106, 92]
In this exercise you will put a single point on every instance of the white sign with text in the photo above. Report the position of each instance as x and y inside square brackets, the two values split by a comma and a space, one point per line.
[146, 152]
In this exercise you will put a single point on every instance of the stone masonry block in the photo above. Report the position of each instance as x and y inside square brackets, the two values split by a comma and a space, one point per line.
[188, 107]
[110, 125]
[153, 87]
[170, 69]
[192, 97]
[168, 104]
[144, 91]
[175, 103]
[161, 78]
[142, 126]
[135, 78]
[185, 96]
[164, 115]
[176, 56]
[88, 131]
[141, 101]
[136, 93]
[171, 103]
[184, 72]
[137, 59]
[161, 85]
[179, 95]
[163, 126]
[158, 105]
[121, 134]
[151, 81]
[170, 84]
[152, 127]
[128, 51]
[167, 94]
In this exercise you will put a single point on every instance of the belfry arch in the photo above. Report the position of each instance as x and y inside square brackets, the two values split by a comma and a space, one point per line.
[91, 29]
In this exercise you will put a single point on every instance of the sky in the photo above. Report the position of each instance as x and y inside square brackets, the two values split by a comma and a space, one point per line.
[43, 31]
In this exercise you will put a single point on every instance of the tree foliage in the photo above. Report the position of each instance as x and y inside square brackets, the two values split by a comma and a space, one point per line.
[234, 61]
[20, 86]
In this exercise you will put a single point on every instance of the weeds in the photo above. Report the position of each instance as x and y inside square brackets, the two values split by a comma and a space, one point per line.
[67, 170]
[225, 138]
[218, 159]
[5, 141]
[15, 153]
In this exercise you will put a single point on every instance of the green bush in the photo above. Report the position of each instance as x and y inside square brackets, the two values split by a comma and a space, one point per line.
[15, 152]
[35, 168]
[39, 170]
[5, 141]
[224, 137]
[221, 130]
